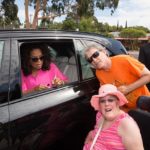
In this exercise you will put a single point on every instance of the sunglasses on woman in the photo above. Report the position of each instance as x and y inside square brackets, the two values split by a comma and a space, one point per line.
[94, 55]
[36, 59]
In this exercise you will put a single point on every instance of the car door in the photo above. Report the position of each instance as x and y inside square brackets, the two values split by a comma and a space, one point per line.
[57, 118]
[4, 92]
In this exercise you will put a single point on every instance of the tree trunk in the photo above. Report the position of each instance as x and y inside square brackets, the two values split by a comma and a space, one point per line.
[44, 12]
[27, 23]
[35, 19]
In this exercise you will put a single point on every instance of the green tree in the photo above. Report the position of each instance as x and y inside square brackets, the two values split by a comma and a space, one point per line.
[75, 8]
[140, 28]
[126, 24]
[88, 25]
[111, 4]
[69, 24]
[9, 11]
[85, 8]
[132, 35]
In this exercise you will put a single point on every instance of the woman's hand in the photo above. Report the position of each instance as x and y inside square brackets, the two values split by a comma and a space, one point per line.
[57, 82]
[37, 88]
[40, 87]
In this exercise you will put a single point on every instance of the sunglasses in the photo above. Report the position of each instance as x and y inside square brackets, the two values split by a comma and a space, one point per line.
[94, 55]
[36, 59]
[102, 101]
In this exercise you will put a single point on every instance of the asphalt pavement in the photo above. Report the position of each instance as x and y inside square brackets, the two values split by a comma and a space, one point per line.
[134, 54]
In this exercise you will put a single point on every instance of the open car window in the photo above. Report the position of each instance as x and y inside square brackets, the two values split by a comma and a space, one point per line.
[62, 54]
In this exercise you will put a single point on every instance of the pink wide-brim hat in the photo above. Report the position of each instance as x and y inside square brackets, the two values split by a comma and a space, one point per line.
[108, 89]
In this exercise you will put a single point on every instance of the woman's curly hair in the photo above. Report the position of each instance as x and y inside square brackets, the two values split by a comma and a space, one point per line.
[25, 56]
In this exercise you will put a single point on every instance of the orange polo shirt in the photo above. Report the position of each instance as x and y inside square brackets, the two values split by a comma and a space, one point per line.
[125, 70]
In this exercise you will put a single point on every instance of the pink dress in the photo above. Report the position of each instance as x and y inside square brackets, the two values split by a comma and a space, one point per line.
[109, 138]
[42, 78]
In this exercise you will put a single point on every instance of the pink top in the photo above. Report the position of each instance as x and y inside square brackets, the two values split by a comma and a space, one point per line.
[42, 78]
[109, 138]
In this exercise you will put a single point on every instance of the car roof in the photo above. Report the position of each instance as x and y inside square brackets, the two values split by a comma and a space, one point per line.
[109, 43]
[29, 32]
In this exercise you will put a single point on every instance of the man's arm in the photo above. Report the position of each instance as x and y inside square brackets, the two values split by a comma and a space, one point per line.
[143, 80]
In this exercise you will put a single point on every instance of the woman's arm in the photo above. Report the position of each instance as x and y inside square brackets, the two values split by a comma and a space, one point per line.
[36, 88]
[130, 133]
[89, 138]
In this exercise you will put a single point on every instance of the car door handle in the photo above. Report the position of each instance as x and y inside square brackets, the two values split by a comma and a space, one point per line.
[79, 93]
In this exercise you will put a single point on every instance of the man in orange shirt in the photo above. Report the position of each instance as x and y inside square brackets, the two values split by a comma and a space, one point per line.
[124, 71]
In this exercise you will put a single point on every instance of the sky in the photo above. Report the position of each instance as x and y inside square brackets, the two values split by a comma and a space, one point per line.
[135, 12]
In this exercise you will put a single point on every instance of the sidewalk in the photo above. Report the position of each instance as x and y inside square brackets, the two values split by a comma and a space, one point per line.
[134, 53]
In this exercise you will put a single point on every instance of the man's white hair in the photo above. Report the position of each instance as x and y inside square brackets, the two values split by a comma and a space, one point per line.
[98, 47]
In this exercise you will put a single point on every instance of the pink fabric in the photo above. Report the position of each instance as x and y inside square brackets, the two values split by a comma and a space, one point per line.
[108, 89]
[109, 138]
[42, 78]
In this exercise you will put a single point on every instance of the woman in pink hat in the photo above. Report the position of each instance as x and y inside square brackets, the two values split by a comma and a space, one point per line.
[114, 129]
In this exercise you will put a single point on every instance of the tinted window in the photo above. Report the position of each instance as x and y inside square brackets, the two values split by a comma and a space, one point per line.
[117, 47]
[85, 66]
[90, 42]
[4, 70]
[113, 46]
[1, 51]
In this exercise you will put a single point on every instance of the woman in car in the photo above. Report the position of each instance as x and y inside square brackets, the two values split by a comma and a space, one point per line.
[114, 129]
[38, 72]
[128, 74]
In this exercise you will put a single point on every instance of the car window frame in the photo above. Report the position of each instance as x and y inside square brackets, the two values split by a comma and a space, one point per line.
[19, 40]
[5, 70]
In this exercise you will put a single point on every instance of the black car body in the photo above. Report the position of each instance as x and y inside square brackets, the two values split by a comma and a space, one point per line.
[54, 119]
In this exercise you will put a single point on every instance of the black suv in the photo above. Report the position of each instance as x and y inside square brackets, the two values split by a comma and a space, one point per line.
[54, 119]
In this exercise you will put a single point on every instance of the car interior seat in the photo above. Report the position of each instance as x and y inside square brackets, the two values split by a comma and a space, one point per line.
[62, 62]
[71, 70]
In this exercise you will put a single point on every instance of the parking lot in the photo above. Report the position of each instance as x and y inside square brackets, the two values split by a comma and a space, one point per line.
[134, 54]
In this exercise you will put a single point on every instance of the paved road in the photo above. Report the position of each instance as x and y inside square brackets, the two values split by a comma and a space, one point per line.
[134, 54]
